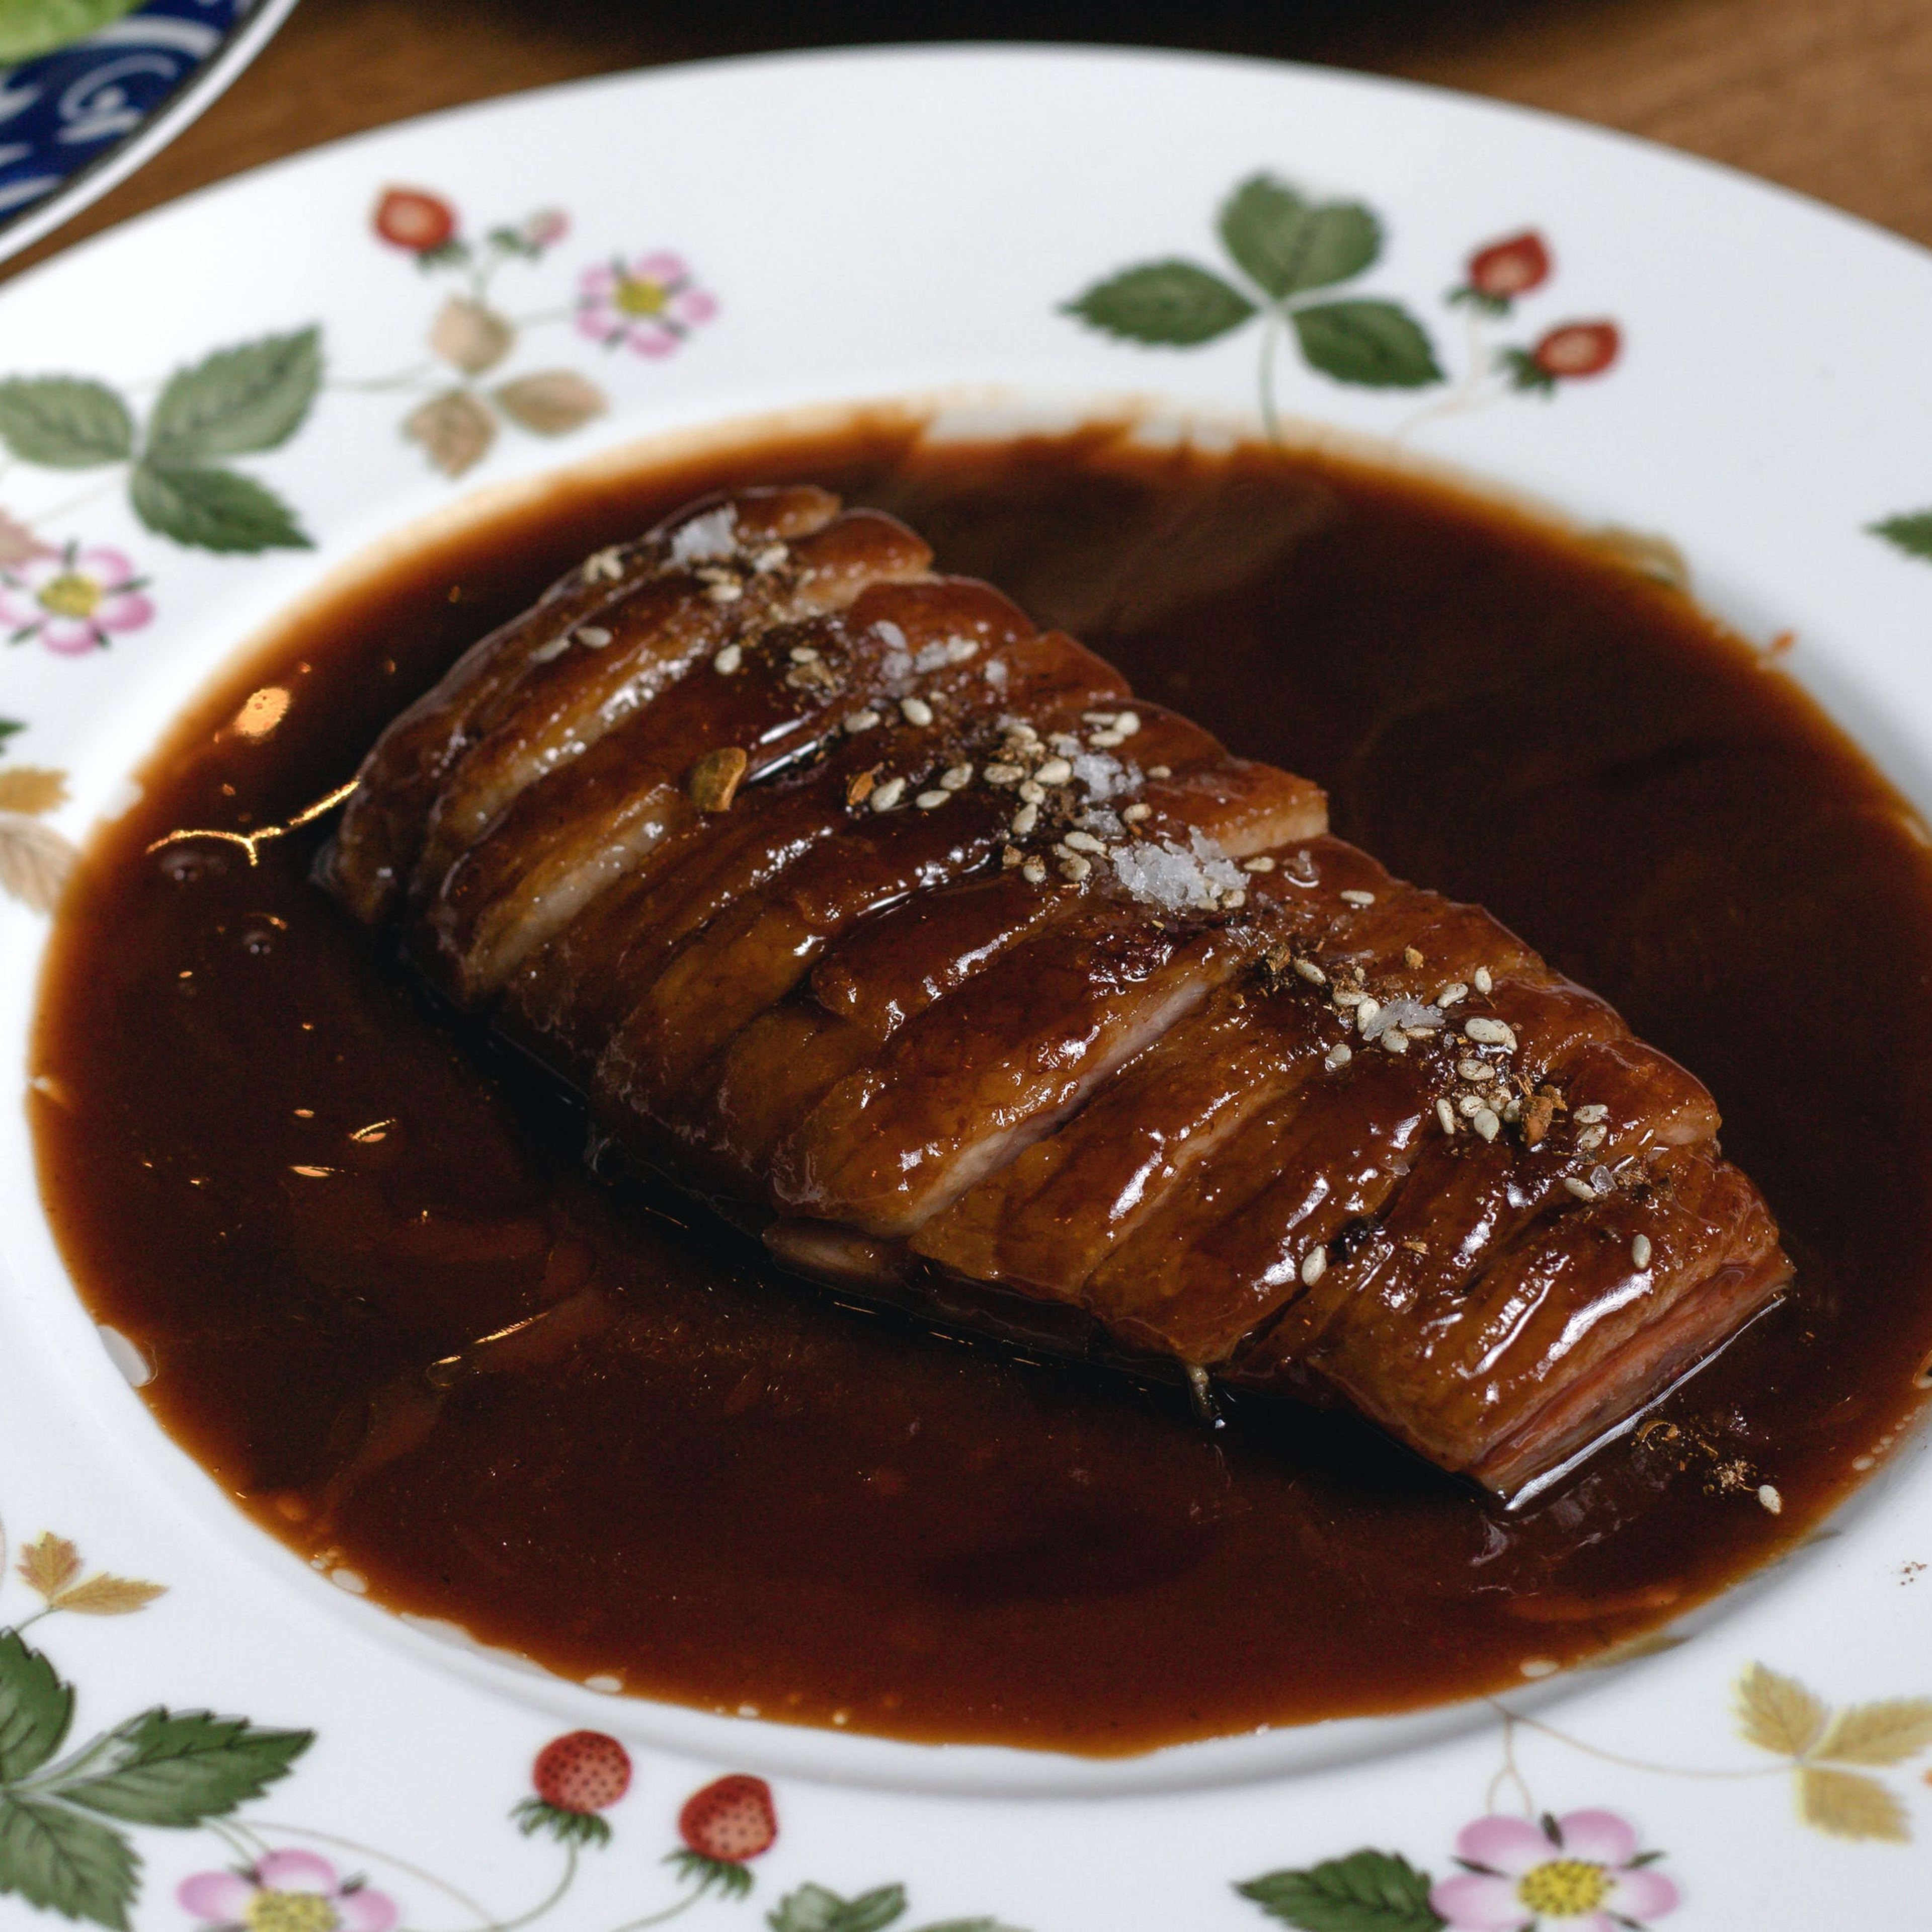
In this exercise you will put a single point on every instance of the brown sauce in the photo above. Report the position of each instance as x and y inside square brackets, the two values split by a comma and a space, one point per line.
[322, 1216]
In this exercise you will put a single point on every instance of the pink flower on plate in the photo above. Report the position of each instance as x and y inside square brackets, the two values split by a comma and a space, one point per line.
[287, 1891]
[651, 303]
[1580, 1873]
[72, 600]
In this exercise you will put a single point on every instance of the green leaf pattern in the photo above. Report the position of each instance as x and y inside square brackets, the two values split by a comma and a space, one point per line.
[1366, 1891]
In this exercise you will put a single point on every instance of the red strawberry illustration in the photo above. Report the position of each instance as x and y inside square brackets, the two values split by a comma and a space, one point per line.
[730, 1821]
[1503, 270]
[1576, 349]
[577, 1776]
[411, 218]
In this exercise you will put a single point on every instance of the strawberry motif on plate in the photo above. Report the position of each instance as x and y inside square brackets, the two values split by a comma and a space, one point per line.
[577, 1776]
[731, 1822]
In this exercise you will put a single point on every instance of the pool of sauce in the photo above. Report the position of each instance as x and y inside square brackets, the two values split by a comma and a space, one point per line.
[390, 1308]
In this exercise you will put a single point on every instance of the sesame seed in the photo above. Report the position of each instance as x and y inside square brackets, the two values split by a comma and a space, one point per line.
[1452, 994]
[1314, 1266]
[886, 796]
[956, 777]
[592, 637]
[1004, 775]
[915, 711]
[1338, 1056]
[1032, 793]
[1470, 1104]
[1640, 1251]
[1033, 871]
[1490, 1032]
[803, 654]
[1356, 897]
[770, 557]
[726, 593]
[1064, 742]
[1486, 1123]
[1127, 723]
[1234, 900]
[1024, 819]
[1513, 1112]
[1104, 718]
[728, 659]
[1589, 1116]
[1446, 1115]
[931, 801]
[606, 563]
[1348, 996]
[861, 721]
[1160, 771]
[1135, 813]
[1105, 741]
[961, 650]
[1366, 1012]
[1473, 1068]
[1767, 1494]
[1411, 957]
[1262, 864]
[1483, 983]
[1084, 842]
[549, 652]
[1539, 1666]
[1055, 771]
[1311, 973]
[1581, 1190]
[1075, 868]
[1591, 1139]
[1394, 1040]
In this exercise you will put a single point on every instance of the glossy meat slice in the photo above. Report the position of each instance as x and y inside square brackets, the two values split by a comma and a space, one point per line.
[905, 934]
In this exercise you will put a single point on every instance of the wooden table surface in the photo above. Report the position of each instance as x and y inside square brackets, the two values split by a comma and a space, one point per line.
[1830, 97]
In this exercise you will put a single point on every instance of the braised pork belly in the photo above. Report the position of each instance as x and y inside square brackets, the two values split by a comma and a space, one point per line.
[904, 934]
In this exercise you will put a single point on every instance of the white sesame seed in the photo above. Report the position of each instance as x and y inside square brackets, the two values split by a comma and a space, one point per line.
[592, 637]
[1075, 868]
[1024, 819]
[1234, 901]
[1538, 1667]
[1349, 996]
[1032, 793]
[1589, 1116]
[1033, 871]
[1160, 771]
[1482, 981]
[1338, 1056]
[1127, 723]
[1486, 1123]
[1084, 842]
[803, 654]
[1473, 1068]
[857, 721]
[1591, 1139]
[1446, 1115]
[1356, 897]
[1064, 742]
[956, 777]
[961, 650]
[1105, 741]
[1135, 813]
[915, 711]
[728, 659]
[1640, 1251]
[1394, 1040]
[1055, 771]
[1767, 1494]
[931, 801]
[1311, 973]
[606, 563]
[1104, 718]
[1366, 1012]
[726, 593]
[1452, 994]
[1490, 1032]
[770, 557]
[1513, 1112]
[1470, 1104]
[548, 653]
[1262, 864]
[1004, 775]
[1314, 1266]
[1581, 1190]
[883, 797]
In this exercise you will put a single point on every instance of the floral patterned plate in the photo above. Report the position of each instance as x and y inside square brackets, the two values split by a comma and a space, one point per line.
[206, 411]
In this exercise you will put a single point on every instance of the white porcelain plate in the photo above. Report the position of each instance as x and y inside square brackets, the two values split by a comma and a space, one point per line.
[1657, 344]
